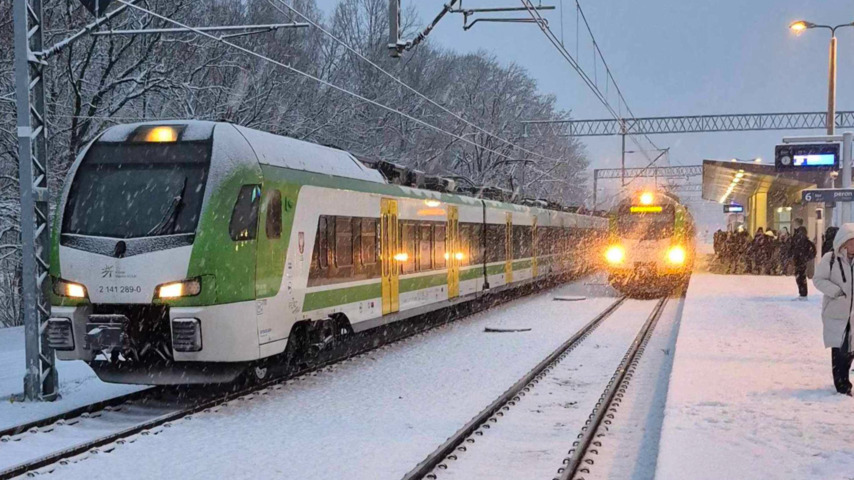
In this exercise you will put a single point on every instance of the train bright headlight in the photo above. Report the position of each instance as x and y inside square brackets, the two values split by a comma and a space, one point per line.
[615, 254]
[186, 288]
[65, 288]
[676, 255]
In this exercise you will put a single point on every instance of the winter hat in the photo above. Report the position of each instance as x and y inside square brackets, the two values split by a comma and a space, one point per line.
[845, 233]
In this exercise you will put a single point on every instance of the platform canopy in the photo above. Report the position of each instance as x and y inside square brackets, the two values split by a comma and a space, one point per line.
[718, 176]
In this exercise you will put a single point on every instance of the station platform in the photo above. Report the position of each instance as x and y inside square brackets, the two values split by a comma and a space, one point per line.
[750, 393]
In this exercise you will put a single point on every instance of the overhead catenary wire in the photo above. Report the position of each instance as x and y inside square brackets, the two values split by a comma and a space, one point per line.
[317, 79]
[540, 21]
[404, 84]
[591, 83]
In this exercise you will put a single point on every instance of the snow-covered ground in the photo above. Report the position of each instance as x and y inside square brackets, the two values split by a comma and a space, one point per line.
[373, 417]
[78, 384]
[751, 394]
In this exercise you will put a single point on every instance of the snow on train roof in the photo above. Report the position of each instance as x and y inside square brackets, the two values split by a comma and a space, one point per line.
[271, 149]
[298, 155]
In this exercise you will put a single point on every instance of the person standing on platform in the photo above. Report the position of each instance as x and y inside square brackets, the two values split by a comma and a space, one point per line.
[834, 277]
[802, 251]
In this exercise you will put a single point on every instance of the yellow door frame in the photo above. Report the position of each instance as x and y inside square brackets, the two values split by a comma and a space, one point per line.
[452, 247]
[389, 246]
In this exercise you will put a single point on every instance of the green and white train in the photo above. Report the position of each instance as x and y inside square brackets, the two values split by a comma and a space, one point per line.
[192, 252]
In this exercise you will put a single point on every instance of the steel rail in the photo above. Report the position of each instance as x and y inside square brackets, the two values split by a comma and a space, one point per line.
[361, 343]
[76, 412]
[604, 409]
[435, 459]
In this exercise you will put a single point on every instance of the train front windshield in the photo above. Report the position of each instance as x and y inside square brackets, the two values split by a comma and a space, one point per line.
[645, 225]
[127, 190]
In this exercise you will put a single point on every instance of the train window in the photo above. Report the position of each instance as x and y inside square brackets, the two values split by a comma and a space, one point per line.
[495, 243]
[521, 241]
[439, 246]
[244, 216]
[476, 243]
[322, 242]
[138, 190]
[465, 243]
[425, 247]
[368, 242]
[343, 242]
[274, 215]
[408, 246]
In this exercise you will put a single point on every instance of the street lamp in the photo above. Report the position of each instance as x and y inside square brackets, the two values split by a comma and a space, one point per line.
[799, 27]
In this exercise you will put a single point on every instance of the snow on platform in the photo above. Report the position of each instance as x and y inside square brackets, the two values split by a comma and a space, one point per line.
[751, 392]
[78, 384]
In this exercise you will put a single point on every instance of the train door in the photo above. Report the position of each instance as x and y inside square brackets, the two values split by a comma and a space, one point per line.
[452, 246]
[508, 248]
[534, 247]
[269, 264]
[389, 246]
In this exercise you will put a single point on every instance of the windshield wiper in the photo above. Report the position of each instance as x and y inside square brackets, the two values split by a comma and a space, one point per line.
[171, 217]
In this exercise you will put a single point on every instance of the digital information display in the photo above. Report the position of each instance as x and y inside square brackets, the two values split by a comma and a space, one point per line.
[733, 208]
[806, 157]
[815, 160]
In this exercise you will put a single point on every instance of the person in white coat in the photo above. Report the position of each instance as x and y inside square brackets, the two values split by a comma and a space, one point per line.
[834, 277]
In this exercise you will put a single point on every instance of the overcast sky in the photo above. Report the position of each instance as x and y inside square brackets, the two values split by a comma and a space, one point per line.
[672, 57]
[677, 57]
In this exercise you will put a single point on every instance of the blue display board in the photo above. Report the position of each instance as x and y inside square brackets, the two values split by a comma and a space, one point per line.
[806, 157]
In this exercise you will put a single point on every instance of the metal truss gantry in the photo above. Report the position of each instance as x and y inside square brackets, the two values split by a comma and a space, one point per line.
[743, 122]
[40, 380]
[685, 172]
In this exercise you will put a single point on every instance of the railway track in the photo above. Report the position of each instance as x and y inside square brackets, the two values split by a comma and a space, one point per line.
[586, 449]
[158, 414]
[455, 446]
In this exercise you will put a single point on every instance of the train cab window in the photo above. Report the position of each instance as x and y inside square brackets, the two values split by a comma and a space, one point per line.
[244, 217]
[368, 240]
[439, 246]
[274, 215]
[425, 254]
[343, 242]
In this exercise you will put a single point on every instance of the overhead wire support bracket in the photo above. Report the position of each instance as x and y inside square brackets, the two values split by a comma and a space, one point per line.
[243, 29]
[397, 46]
[468, 12]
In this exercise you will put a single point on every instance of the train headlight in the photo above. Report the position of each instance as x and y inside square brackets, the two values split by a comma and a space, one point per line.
[615, 254]
[186, 288]
[65, 288]
[676, 255]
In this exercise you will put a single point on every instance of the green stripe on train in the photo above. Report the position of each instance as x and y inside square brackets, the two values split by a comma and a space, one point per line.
[341, 296]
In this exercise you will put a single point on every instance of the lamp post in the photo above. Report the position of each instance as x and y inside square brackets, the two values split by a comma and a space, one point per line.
[799, 27]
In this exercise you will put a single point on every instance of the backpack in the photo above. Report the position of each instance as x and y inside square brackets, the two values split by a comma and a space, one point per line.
[829, 236]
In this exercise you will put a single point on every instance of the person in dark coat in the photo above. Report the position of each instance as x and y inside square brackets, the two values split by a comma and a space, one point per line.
[802, 251]
[754, 252]
[785, 247]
